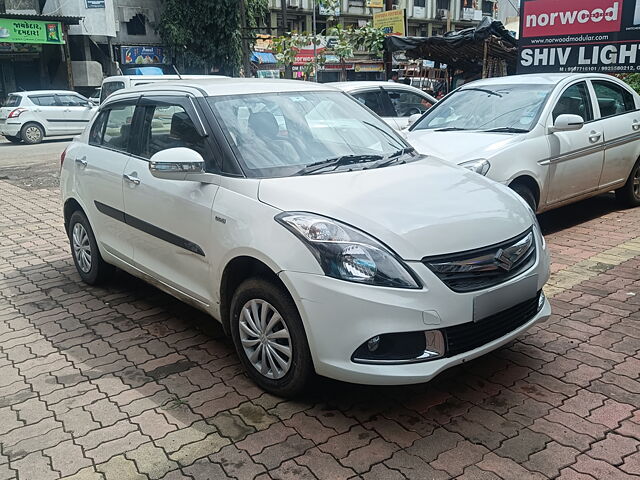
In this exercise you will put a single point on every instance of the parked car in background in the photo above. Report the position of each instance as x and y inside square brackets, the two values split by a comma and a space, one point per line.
[394, 102]
[29, 117]
[118, 82]
[307, 226]
[95, 96]
[553, 138]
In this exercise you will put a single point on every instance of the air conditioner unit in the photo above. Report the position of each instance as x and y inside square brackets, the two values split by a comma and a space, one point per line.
[442, 14]
[293, 3]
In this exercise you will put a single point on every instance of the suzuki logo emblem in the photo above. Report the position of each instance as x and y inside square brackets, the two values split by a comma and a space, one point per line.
[508, 257]
[503, 260]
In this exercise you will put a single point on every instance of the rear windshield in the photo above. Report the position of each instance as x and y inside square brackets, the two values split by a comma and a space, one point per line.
[13, 101]
[108, 88]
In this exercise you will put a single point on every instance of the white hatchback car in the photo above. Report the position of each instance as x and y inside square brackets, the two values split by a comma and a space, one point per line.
[307, 226]
[395, 102]
[29, 117]
[553, 138]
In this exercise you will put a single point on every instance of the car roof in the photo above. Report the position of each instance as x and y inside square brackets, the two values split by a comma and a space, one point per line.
[45, 92]
[349, 86]
[119, 78]
[540, 78]
[212, 87]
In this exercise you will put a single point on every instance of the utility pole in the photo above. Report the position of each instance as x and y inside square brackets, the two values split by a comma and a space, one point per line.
[288, 69]
[246, 61]
[388, 58]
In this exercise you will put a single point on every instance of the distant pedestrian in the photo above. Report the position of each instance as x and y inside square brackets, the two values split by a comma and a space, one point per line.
[393, 77]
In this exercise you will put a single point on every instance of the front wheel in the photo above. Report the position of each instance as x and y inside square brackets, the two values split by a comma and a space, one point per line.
[84, 248]
[269, 337]
[629, 194]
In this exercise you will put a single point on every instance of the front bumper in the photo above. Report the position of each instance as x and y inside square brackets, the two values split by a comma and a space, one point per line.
[340, 316]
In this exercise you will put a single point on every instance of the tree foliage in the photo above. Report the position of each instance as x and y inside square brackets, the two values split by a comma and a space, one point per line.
[210, 32]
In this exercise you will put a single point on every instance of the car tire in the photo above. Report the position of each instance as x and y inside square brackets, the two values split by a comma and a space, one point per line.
[13, 139]
[629, 194]
[288, 374]
[526, 193]
[32, 133]
[90, 265]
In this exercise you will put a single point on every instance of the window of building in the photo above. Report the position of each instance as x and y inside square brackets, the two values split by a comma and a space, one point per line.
[487, 7]
[137, 25]
[443, 4]
[419, 3]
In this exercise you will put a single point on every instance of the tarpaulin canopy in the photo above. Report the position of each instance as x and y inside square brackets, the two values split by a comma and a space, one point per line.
[463, 49]
[263, 57]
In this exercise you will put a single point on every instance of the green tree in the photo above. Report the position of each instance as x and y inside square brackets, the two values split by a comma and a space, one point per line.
[209, 33]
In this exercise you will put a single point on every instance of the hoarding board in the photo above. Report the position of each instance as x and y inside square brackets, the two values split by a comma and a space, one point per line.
[391, 21]
[30, 31]
[579, 36]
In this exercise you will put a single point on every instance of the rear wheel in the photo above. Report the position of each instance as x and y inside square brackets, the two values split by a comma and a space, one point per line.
[86, 256]
[526, 193]
[269, 337]
[629, 194]
[32, 133]
[13, 139]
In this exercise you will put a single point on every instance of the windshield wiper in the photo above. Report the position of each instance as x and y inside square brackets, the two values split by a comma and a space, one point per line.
[450, 129]
[507, 130]
[337, 162]
[475, 89]
[394, 157]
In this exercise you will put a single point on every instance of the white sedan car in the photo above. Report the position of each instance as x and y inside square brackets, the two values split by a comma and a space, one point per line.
[307, 226]
[394, 102]
[554, 138]
[29, 117]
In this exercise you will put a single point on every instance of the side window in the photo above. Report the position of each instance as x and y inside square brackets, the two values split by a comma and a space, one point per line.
[71, 101]
[117, 130]
[97, 129]
[575, 100]
[408, 103]
[373, 100]
[169, 126]
[13, 101]
[613, 99]
[44, 100]
[108, 88]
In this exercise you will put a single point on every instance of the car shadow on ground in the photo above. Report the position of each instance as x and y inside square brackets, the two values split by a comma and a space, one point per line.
[7, 143]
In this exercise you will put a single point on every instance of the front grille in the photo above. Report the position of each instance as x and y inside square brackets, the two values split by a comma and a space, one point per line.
[486, 267]
[465, 337]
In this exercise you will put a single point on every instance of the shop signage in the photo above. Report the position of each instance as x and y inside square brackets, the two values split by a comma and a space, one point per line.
[392, 22]
[375, 3]
[30, 31]
[369, 67]
[94, 3]
[142, 55]
[579, 36]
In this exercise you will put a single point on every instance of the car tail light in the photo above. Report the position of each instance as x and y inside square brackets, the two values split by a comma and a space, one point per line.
[62, 156]
[17, 112]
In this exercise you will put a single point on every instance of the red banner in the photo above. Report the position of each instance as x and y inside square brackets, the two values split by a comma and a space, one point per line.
[553, 17]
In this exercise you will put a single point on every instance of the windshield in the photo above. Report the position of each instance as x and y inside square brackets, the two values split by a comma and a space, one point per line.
[278, 134]
[486, 108]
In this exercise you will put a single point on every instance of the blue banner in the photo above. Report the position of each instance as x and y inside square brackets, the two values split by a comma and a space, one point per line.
[142, 55]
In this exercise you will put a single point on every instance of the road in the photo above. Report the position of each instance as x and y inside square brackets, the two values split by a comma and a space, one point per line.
[124, 382]
[32, 166]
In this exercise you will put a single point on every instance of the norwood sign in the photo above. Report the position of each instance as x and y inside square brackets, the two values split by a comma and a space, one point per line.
[579, 36]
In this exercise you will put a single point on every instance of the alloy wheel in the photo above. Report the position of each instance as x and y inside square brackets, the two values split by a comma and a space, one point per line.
[265, 339]
[81, 247]
[32, 134]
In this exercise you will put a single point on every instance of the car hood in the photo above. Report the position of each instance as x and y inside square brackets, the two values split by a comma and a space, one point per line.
[423, 208]
[460, 147]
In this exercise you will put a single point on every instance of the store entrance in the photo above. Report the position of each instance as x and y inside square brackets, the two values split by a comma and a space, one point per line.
[27, 75]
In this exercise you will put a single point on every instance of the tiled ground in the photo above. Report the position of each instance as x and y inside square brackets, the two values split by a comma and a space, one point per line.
[127, 383]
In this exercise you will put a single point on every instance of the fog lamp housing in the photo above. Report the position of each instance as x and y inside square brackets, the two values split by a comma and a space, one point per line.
[541, 301]
[401, 348]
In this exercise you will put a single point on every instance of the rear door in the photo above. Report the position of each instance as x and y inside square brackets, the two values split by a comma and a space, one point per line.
[576, 158]
[620, 120]
[49, 113]
[77, 111]
[99, 171]
[170, 220]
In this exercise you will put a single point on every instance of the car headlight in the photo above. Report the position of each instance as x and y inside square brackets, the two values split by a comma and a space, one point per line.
[346, 253]
[480, 166]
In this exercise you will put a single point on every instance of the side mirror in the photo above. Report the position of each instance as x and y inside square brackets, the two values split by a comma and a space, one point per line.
[177, 164]
[567, 123]
[413, 119]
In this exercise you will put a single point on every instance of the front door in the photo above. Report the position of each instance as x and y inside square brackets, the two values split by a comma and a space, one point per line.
[576, 158]
[77, 113]
[99, 169]
[169, 219]
[406, 103]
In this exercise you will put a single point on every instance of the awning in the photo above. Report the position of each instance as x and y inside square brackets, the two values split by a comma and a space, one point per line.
[263, 57]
